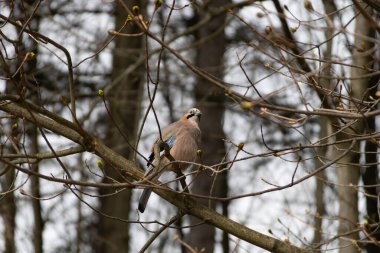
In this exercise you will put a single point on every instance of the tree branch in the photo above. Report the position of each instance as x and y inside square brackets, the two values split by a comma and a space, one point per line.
[206, 214]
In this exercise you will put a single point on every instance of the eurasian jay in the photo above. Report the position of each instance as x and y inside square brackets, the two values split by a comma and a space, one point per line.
[182, 138]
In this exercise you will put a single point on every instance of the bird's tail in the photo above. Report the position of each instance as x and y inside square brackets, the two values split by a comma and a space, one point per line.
[150, 175]
[144, 199]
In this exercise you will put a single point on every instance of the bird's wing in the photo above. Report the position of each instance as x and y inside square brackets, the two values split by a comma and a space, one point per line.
[170, 141]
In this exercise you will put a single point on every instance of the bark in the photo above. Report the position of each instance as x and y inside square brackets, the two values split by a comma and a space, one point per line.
[8, 200]
[8, 210]
[349, 171]
[374, 4]
[38, 226]
[124, 103]
[209, 56]
[325, 129]
[320, 187]
[35, 191]
[347, 174]
[370, 179]
[69, 130]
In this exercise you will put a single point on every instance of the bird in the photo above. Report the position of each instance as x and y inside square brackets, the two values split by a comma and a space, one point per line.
[183, 138]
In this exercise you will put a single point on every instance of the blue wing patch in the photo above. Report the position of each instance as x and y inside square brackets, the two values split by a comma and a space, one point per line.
[169, 141]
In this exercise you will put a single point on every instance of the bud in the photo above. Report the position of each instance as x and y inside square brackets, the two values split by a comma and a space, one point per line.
[100, 164]
[268, 30]
[135, 9]
[246, 105]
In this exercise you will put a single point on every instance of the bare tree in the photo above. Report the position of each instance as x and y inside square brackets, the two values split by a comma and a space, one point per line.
[289, 149]
[124, 99]
[348, 170]
[210, 58]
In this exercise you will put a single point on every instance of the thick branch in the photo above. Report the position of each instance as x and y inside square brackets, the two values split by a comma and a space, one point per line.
[374, 4]
[285, 28]
[117, 161]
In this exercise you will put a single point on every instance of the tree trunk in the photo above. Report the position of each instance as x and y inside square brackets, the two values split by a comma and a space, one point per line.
[8, 210]
[8, 201]
[370, 178]
[38, 226]
[209, 56]
[325, 128]
[35, 190]
[348, 174]
[320, 184]
[348, 171]
[124, 103]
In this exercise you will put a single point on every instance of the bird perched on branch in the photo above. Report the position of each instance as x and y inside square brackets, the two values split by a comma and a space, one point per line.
[182, 138]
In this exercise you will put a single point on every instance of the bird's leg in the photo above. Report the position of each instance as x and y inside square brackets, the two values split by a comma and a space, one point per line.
[189, 201]
[177, 169]
[182, 180]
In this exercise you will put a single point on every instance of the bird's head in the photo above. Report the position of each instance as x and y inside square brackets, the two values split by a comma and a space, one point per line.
[193, 114]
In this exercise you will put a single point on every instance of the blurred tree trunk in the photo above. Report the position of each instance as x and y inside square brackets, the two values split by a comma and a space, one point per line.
[18, 84]
[209, 56]
[347, 174]
[8, 209]
[319, 189]
[370, 178]
[31, 69]
[35, 191]
[7, 177]
[348, 169]
[325, 127]
[124, 103]
[33, 94]
[38, 226]
[370, 173]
